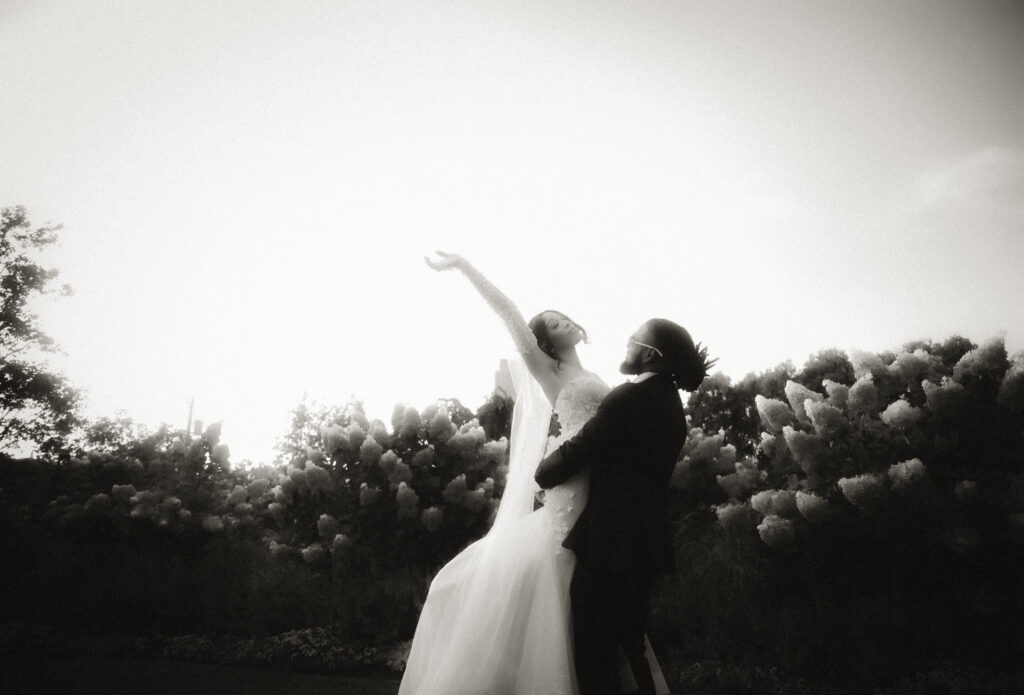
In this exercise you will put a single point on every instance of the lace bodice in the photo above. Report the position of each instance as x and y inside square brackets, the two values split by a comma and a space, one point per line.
[576, 403]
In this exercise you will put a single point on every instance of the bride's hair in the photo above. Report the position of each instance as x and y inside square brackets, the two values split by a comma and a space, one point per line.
[687, 362]
[539, 326]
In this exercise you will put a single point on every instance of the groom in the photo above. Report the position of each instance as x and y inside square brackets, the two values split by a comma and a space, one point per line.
[622, 539]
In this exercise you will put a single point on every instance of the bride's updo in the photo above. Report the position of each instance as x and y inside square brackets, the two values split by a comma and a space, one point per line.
[686, 362]
[539, 326]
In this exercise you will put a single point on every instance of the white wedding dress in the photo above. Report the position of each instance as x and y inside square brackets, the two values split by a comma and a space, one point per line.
[497, 619]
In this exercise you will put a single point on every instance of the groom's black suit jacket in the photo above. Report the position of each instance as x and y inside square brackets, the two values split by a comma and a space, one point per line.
[631, 445]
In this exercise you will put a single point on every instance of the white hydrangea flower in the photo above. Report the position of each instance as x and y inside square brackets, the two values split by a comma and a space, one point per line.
[408, 501]
[237, 495]
[867, 491]
[726, 459]
[988, 359]
[772, 445]
[966, 490]
[334, 437]
[169, 504]
[406, 422]
[356, 435]
[400, 473]
[432, 518]
[494, 451]
[863, 396]
[455, 490]
[370, 452]
[424, 458]
[912, 367]
[807, 449]
[774, 413]
[829, 422]
[99, 501]
[946, 399]
[866, 364]
[388, 460]
[213, 523]
[906, 473]
[146, 498]
[474, 500]
[276, 510]
[747, 477]
[327, 526]
[314, 554]
[837, 393]
[734, 516]
[319, 479]
[901, 415]
[123, 493]
[731, 485]
[707, 448]
[368, 495]
[681, 474]
[258, 488]
[1011, 390]
[468, 439]
[776, 532]
[812, 507]
[775, 502]
[380, 433]
[797, 395]
[340, 543]
[297, 476]
[439, 426]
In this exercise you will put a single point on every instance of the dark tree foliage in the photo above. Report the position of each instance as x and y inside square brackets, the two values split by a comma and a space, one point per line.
[308, 419]
[38, 407]
[718, 404]
[831, 364]
[495, 415]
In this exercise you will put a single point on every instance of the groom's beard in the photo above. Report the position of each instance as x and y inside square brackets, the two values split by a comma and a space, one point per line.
[629, 368]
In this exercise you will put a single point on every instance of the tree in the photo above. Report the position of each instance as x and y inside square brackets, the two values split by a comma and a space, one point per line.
[38, 407]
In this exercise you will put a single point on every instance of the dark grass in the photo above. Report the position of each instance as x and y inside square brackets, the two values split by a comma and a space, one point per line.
[86, 675]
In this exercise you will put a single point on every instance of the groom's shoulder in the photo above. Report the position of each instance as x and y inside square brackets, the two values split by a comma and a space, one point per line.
[621, 392]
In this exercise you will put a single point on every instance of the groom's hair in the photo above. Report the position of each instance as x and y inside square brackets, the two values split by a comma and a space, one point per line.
[685, 361]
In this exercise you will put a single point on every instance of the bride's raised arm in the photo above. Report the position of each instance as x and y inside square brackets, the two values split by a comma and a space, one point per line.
[541, 365]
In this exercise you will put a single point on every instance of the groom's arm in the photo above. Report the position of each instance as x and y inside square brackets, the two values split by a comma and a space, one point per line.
[592, 442]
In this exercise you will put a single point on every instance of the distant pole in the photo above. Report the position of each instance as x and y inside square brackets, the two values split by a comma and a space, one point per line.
[188, 427]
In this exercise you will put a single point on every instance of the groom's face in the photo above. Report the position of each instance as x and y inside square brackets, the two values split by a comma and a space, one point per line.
[634, 362]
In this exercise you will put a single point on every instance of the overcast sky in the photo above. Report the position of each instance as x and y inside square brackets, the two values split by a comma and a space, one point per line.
[248, 188]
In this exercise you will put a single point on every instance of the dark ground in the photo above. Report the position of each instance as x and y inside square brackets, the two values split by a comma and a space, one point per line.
[86, 675]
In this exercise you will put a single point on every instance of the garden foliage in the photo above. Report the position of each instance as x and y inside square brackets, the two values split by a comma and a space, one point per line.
[859, 514]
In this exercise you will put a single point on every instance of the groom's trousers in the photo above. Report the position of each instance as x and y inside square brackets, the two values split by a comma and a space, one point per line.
[609, 612]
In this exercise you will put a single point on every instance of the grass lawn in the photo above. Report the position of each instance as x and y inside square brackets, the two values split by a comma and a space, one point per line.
[72, 675]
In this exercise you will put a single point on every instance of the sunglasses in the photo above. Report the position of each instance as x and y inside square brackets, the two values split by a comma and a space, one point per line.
[631, 341]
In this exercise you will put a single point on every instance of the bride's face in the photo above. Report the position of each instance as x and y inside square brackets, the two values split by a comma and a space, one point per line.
[562, 332]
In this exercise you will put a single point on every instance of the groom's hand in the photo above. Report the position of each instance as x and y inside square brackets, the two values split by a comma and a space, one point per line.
[548, 474]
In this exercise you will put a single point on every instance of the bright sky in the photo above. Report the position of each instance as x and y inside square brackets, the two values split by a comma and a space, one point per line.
[248, 188]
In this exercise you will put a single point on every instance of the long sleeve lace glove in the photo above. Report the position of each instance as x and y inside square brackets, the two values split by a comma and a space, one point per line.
[521, 334]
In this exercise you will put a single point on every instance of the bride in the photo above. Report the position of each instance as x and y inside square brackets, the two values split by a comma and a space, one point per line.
[497, 619]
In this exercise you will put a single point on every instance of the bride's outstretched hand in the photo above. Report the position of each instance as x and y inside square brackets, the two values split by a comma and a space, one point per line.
[445, 261]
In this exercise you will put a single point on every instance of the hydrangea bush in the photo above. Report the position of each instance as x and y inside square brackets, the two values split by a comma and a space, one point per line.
[854, 514]
[877, 511]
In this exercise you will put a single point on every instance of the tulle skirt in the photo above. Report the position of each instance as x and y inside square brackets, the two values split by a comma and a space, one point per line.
[497, 619]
